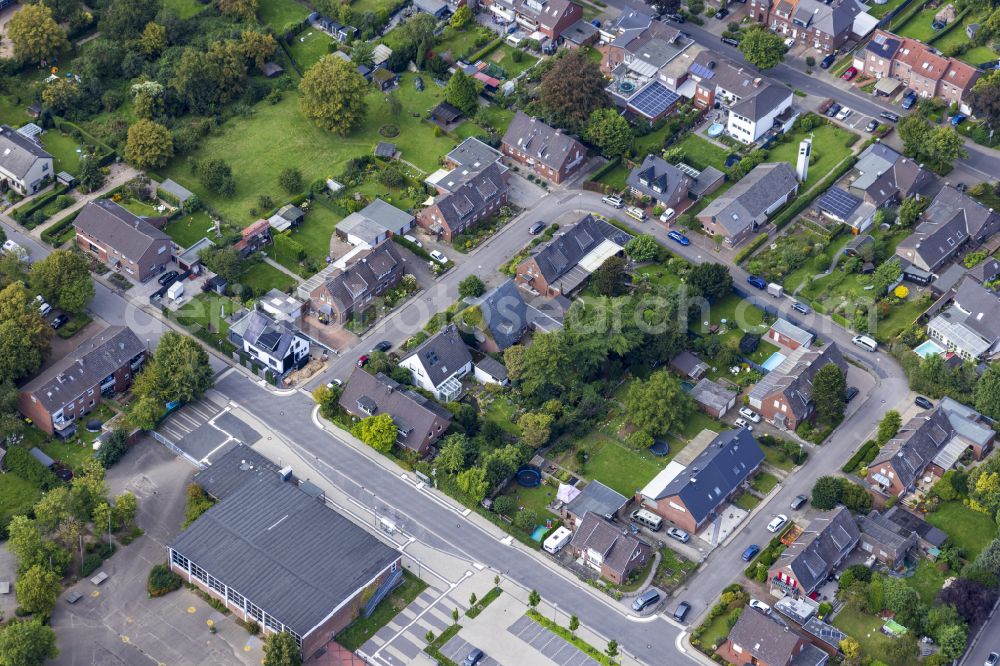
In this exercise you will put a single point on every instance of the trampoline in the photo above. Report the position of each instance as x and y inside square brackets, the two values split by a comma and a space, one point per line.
[529, 477]
[626, 87]
[94, 425]
[660, 448]
[715, 130]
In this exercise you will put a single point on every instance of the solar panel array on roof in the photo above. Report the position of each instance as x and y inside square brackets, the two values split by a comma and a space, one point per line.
[838, 202]
[653, 100]
[701, 71]
[270, 340]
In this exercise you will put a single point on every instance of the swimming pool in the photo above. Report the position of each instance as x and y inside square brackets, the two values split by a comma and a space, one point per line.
[928, 348]
[715, 130]
[773, 361]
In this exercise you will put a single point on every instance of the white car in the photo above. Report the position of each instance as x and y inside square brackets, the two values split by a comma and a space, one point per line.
[790, 42]
[777, 522]
[761, 606]
[438, 257]
[750, 414]
[742, 423]
[335, 382]
[844, 113]
[413, 239]
[612, 200]
[667, 215]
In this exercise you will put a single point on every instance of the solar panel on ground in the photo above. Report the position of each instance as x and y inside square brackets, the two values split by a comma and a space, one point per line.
[653, 100]
[838, 202]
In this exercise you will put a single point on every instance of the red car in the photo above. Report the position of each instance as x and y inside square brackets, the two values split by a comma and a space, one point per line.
[850, 73]
[362, 361]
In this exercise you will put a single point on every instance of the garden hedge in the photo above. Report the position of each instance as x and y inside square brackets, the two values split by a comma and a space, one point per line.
[22, 213]
[106, 153]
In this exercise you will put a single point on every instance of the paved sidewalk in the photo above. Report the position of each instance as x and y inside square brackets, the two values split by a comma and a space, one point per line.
[120, 174]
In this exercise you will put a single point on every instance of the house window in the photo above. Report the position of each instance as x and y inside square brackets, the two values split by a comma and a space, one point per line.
[254, 612]
[199, 573]
[236, 598]
[179, 559]
[392, 569]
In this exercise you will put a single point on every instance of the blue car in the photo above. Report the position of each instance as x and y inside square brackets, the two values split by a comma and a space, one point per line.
[958, 119]
[750, 552]
[909, 100]
[679, 237]
[757, 282]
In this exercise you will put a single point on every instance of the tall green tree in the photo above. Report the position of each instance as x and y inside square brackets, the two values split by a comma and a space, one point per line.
[461, 18]
[826, 493]
[888, 426]
[378, 432]
[243, 10]
[642, 248]
[462, 92]
[761, 47]
[536, 428]
[985, 96]
[609, 278]
[149, 144]
[24, 335]
[333, 95]
[258, 46]
[63, 278]
[657, 405]
[610, 132]
[572, 90]
[184, 364]
[91, 177]
[122, 20]
[35, 34]
[280, 650]
[988, 393]
[886, 275]
[829, 391]
[37, 590]
[28, 643]
[25, 542]
[455, 453]
[471, 287]
[473, 483]
[713, 280]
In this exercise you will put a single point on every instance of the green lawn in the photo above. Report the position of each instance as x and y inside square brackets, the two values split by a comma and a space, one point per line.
[658, 274]
[764, 482]
[978, 55]
[829, 149]
[618, 467]
[700, 153]
[899, 317]
[184, 8]
[773, 458]
[139, 208]
[533, 499]
[697, 422]
[278, 136]
[459, 43]
[16, 496]
[507, 63]
[63, 149]
[968, 529]
[957, 36]
[207, 310]
[263, 277]
[315, 231]
[362, 7]
[652, 143]
[715, 632]
[865, 629]
[280, 13]
[737, 312]
[500, 412]
[362, 629]
[927, 581]
[309, 46]
[73, 453]
[615, 178]
[747, 502]
[878, 11]
[764, 351]
[919, 27]
[187, 230]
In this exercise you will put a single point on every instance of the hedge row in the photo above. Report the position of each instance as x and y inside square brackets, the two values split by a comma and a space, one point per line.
[412, 247]
[951, 26]
[901, 18]
[751, 248]
[604, 170]
[107, 153]
[54, 234]
[22, 213]
[486, 50]
[861, 457]
[802, 202]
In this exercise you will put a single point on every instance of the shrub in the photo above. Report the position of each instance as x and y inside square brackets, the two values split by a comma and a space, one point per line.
[162, 581]
[253, 628]
[90, 564]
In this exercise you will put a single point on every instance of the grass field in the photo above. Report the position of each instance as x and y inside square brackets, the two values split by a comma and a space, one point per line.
[927, 581]
[262, 277]
[507, 63]
[279, 136]
[652, 143]
[878, 11]
[459, 43]
[361, 7]
[184, 8]
[615, 178]
[919, 27]
[970, 530]
[315, 231]
[359, 631]
[764, 482]
[618, 467]
[279, 13]
[70, 453]
[829, 148]
[865, 629]
[957, 36]
[187, 230]
[747, 502]
[309, 46]
[139, 208]
[978, 55]
[734, 310]
[206, 310]
[700, 153]
[16, 496]
[715, 632]
[499, 412]
[63, 149]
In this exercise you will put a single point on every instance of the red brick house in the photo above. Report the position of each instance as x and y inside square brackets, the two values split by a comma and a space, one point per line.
[479, 196]
[74, 386]
[253, 237]
[811, 558]
[811, 22]
[353, 289]
[760, 640]
[786, 334]
[550, 17]
[553, 155]
[125, 242]
[784, 396]
[606, 549]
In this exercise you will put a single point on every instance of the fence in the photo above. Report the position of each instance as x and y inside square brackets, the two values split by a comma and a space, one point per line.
[176, 449]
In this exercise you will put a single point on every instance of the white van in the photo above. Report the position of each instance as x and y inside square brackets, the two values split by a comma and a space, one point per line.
[557, 540]
[612, 200]
[865, 342]
[635, 212]
[647, 519]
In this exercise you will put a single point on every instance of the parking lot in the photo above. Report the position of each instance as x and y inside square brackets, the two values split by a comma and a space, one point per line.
[205, 430]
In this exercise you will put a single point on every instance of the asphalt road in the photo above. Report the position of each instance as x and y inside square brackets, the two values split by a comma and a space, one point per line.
[986, 641]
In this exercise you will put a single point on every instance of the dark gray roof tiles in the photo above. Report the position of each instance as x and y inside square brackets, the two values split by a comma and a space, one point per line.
[951, 219]
[598, 499]
[473, 154]
[263, 332]
[442, 354]
[476, 193]
[826, 541]
[915, 445]
[107, 222]
[565, 251]
[505, 314]
[658, 179]
[18, 153]
[794, 376]
[350, 286]
[546, 144]
[238, 465]
[763, 638]
[617, 549]
[767, 98]
[747, 200]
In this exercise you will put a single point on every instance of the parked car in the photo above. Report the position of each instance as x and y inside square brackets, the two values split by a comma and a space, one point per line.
[833, 110]
[645, 600]
[437, 256]
[850, 73]
[890, 116]
[827, 61]
[798, 502]
[413, 239]
[363, 360]
[750, 552]
[474, 657]
[722, 13]
[992, 659]
[757, 282]
[667, 215]
[676, 18]
[871, 126]
[43, 308]
[679, 238]
[679, 534]
[335, 382]
[750, 414]
[730, 41]
[743, 423]
[922, 402]
[761, 606]
[777, 522]
[536, 228]
[958, 119]
[825, 105]
[800, 308]
[167, 278]
[59, 321]
[682, 611]
[612, 200]
[909, 100]
[852, 393]
[844, 113]
[789, 43]
[383, 346]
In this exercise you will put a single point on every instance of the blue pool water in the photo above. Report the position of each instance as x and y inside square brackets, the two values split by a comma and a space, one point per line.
[539, 533]
[715, 130]
[928, 348]
[773, 361]
[687, 386]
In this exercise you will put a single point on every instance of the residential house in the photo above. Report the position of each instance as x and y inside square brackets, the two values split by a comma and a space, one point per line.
[820, 26]
[505, 318]
[929, 443]
[25, 166]
[273, 345]
[664, 183]
[439, 363]
[608, 549]
[928, 536]
[488, 370]
[595, 498]
[547, 17]
[690, 496]
[807, 562]
[760, 639]
[566, 261]
[74, 386]
[784, 396]
[549, 152]
[278, 556]
[373, 224]
[281, 307]
[288, 216]
[920, 67]
[688, 366]
[479, 197]
[352, 289]
[712, 398]
[970, 327]
[581, 33]
[882, 177]
[885, 540]
[626, 29]
[470, 156]
[952, 220]
[253, 237]
[124, 241]
[748, 204]
[641, 82]
[786, 334]
[419, 421]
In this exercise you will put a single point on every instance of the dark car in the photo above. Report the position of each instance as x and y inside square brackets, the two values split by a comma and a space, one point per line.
[909, 100]
[730, 41]
[722, 13]
[732, 160]
[645, 600]
[536, 228]
[682, 611]
[798, 502]
[833, 110]
[890, 116]
[871, 126]
[757, 282]
[827, 61]
[679, 237]
[750, 552]
[383, 346]
[961, 187]
[922, 402]
[59, 321]
[676, 18]
[474, 657]
[167, 278]
[992, 659]
[852, 392]
[362, 361]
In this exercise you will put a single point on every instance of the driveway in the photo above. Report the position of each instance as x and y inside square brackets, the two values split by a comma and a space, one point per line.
[523, 192]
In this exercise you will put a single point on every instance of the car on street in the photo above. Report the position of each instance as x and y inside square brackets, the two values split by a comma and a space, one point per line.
[383, 346]
[890, 116]
[437, 256]
[612, 200]
[413, 239]
[536, 228]
[757, 282]
[850, 73]
[800, 308]
[827, 61]
[676, 18]
[682, 611]
[474, 657]
[832, 111]
[679, 534]
[798, 502]
[909, 100]
[852, 393]
[961, 187]
[958, 119]
[667, 215]
[750, 414]
[992, 659]
[722, 13]
[59, 321]
[335, 382]
[777, 522]
[363, 360]
[750, 552]
[679, 238]
[730, 41]
[871, 126]
[789, 43]
[922, 402]
[757, 604]
[743, 423]
[167, 278]
[645, 600]
[844, 113]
